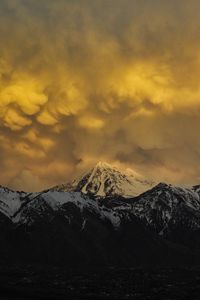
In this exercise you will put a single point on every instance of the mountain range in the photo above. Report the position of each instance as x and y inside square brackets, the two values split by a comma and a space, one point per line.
[108, 216]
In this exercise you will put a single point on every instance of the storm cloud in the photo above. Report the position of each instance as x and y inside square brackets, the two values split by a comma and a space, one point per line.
[112, 80]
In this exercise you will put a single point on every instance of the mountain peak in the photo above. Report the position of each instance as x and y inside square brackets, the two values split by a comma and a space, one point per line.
[103, 164]
[105, 180]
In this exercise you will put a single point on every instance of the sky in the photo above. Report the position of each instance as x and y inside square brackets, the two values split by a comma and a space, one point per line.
[89, 80]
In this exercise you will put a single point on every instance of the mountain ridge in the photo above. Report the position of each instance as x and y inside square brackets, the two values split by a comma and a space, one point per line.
[99, 221]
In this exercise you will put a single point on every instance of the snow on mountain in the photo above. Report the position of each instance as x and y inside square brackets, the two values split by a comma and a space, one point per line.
[46, 206]
[102, 181]
[10, 201]
[167, 206]
[70, 221]
[161, 207]
[105, 180]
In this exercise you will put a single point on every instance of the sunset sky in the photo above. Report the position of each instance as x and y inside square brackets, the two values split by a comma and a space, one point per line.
[89, 80]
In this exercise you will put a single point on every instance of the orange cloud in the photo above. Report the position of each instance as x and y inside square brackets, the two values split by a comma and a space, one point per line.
[99, 80]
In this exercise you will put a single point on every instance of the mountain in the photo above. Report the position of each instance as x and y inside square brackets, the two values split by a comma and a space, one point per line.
[137, 223]
[45, 206]
[69, 228]
[105, 180]
[172, 212]
[10, 201]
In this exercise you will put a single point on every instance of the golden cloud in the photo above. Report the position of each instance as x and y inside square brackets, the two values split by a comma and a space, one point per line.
[110, 80]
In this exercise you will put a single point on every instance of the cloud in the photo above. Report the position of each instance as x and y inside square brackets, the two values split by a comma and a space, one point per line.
[28, 180]
[82, 81]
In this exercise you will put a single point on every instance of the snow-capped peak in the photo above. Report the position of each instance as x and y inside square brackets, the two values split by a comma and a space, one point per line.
[105, 165]
[105, 180]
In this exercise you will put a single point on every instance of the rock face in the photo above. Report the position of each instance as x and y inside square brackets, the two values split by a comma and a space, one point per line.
[107, 217]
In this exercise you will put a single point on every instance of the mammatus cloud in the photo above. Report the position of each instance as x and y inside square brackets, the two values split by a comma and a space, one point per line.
[82, 81]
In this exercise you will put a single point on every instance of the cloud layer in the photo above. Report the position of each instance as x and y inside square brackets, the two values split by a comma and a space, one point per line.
[114, 80]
